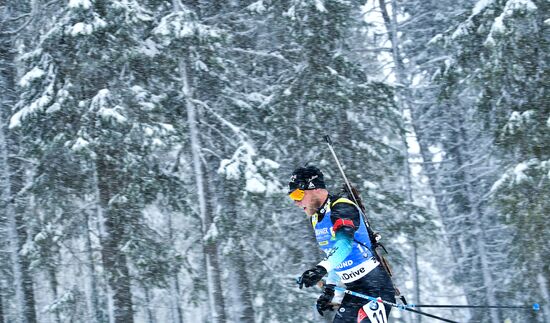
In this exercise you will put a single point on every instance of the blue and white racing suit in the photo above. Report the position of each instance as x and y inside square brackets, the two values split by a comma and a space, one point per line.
[349, 257]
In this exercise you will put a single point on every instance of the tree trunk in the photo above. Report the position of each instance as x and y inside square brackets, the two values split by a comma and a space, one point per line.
[11, 173]
[405, 95]
[477, 218]
[53, 285]
[416, 279]
[391, 26]
[243, 284]
[404, 107]
[28, 284]
[236, 257]
[175, 291]
[1, 308]
[150, 317]
[544, 292]
[210, 248]
[92, 298]
[113, 240]
[13, 237]
[100, 227]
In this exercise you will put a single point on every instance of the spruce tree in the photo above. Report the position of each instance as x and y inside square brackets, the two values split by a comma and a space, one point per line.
[16, 19]
[92, 129]
[511, 78]
[475, 80]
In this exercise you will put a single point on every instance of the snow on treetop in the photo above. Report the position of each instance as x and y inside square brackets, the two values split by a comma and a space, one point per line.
[148, 47]
[35, 106]
[84, 4]
[244, 163]
[100, 99]
[480, 6]
[291, 13]
[517, 174]
[513, 5]
[254, 185]
[320, 6]
[242, 157]
[183, 24]
[267, 163]
[509, 9]
[101, 103]
[112, 114]
[498, 25]
[462, 29]
[257, 7]
[518, 120]
[30, 76]
[80, 28]
[212, 232]
[435, 39]
[79, 144]
[257, 97]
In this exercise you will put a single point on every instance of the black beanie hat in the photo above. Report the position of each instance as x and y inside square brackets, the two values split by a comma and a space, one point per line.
[306, 178]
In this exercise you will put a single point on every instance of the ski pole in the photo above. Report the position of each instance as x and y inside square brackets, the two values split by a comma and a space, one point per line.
[329, 142]
[535, 307]
[401, 307]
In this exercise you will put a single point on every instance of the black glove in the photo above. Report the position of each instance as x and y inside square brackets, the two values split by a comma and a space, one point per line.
[311, 276]
[323, 302]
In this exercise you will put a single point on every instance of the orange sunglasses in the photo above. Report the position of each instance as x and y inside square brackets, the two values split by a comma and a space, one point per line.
[297, 194]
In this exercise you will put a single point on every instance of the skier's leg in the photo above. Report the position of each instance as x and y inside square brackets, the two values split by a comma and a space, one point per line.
[347, 312]
[388, 295]
[377, 283]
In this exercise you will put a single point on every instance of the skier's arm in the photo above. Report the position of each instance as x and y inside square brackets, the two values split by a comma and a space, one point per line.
[341, 249]
[332, 278]
[345, 218]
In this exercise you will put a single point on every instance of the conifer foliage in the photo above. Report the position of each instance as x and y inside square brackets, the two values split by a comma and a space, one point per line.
[145, 149]
[512, 83]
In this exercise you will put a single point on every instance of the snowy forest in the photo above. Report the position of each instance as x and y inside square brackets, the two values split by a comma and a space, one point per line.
[146, 147]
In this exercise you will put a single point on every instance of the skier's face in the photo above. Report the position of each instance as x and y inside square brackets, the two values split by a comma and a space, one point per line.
[310, 203]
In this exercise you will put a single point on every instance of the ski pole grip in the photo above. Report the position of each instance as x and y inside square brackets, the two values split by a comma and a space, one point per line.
[328, 140]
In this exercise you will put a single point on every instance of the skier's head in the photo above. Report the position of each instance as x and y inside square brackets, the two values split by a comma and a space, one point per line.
[306, 178]
[307, 188]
